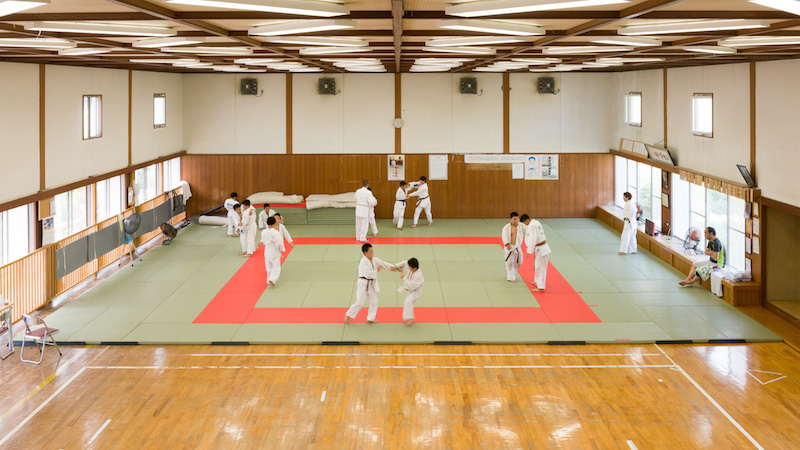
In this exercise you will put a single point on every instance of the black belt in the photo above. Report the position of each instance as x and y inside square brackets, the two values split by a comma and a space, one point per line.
[369, 280]
[404, 202]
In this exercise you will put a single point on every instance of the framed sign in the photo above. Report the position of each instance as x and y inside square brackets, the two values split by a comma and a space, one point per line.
[661, 155]
[397, 167]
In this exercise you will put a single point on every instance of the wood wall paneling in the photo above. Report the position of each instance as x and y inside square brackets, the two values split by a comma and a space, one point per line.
[586, 180]
[42, 173]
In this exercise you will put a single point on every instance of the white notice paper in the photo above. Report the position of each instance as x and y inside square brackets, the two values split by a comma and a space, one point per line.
[518, 171]
[756, 226]
[756, 245]
[437, 167]
[747, 245]
[541, 167]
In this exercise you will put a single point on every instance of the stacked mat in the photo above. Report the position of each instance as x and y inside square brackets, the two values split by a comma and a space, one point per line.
[331, 216]
[294, 216]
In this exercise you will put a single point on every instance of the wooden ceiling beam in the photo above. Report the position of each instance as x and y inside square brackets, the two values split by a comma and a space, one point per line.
[398, 9]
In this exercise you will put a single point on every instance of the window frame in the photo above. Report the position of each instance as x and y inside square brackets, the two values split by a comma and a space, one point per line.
[634, 124]
[703, 134]
[87, 135]
[159, 125]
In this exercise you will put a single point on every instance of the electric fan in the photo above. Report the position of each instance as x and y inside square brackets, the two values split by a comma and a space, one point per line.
[692, 239]
[129, 226]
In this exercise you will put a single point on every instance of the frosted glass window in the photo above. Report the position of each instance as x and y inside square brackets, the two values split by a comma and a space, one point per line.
[633, 109]
[92, 116]
[147, 182]
[70, 213]
[109, 201]
[620, 180]
[718, 214]
[645, 190]
[78, 216]
[16, 233]
[172, 174]
[679, 205]
[159, 110]
[703, 115]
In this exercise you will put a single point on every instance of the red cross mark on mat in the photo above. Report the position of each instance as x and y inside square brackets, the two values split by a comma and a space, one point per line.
[235, 303]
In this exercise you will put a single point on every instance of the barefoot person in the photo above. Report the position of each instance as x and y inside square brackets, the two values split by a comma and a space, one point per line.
[412, 284]
[513, 235]
[716, 260]
[367, 287]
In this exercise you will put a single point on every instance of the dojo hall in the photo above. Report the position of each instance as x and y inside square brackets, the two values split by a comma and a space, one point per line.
[399, 224]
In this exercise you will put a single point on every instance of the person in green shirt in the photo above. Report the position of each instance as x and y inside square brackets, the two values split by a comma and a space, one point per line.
[716, 253]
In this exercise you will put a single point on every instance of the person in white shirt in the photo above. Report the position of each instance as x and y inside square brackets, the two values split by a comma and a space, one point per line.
[273, 247]
[364, 199]
[536, 242]
[400, 198]
[233, 200]
[247, 229]
[412, 284]
[234, 219]
[367, 286]
[513, 236]
[372, 223]
[424, 202]
[264, 215]
[627, 243]
[284, 232]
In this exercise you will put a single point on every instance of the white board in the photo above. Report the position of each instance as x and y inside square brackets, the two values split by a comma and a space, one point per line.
[437, 167]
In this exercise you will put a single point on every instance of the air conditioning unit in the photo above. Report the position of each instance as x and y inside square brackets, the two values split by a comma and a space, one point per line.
[469, 85]
[327, 86]
[248, 86]
[547, 85]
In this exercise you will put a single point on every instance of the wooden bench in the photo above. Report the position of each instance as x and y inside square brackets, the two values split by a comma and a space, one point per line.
[671, 251]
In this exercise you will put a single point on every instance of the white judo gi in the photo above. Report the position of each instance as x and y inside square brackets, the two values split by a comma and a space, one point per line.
[364, 199]
[247, 232]
[372, 223]
[424, 203]
[233, 222]
[367, 287]
[513, 257]
[273, 246]
[262, 218]
[536, 242]
[229, 203]
[627, 243]
[412, 284]
[400, 198]
[284, 233]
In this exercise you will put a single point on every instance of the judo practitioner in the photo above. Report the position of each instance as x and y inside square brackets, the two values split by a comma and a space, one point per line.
[536, 242]
[412, 284]
[400, 198]
[513, 235]
[372, 223]
[247, 229]
[264, 215]
[364, 199]
[233, 200]
[367, 286]
[234, 219]
[284, 232]
[627, 242]
[424, 202]
[273, 247]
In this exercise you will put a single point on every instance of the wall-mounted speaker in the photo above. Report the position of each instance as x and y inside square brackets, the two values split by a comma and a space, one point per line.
[248, 86]
[327, 86]
[547, 85]
[469, 85]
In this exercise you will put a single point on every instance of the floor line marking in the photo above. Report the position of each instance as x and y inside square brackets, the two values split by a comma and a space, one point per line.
[99, 431]
[531, 366]
[632, 445]
[322, 398]
[776, 379]
[713, 402]
[416, 354]
[754, 377]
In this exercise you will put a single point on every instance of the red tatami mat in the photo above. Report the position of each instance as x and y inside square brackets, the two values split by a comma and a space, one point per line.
[235, 302]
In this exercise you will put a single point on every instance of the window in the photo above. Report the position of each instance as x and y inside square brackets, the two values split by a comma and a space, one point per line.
[109, 198]
[703, 115]
[15, 237]
[172, 174]
[643, 181]
[159, 110]
[645, 190]
[92, 116]
[679, 206]
[633, 109]
[70, 212]
[147, 181]
[620, 179]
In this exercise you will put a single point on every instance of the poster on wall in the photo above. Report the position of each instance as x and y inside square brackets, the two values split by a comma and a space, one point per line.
[48, 230]
[541, 167]
[397, 167]
[518, 171]
[437, 167]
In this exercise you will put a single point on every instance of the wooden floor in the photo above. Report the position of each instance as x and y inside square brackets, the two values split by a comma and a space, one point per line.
[510, 396]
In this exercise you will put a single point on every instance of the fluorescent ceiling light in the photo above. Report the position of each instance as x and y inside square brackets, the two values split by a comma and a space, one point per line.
[692, 26]
[568, 67]
[564, 50]
[14, 6]
[710, 49]
[489, 69]
[193, 64]
[48, 43]
[537, 61]
[510, 64]
[492, 8]
[211, 50]
[101, 28]
[443, 60]
[590, 64]
[331, 42]
[372, 64]
[350, 60]
[790, 6]
[476, 40]
[491, 26]
[365, 69]
[78, 51]
[755, 41]
[305, 8]
[226, 67]
[164, 60]
[627, 40]
[629, 60]
[417, 68]
[468, 50]
[168, 42]
[257, 61]
[306, 69]
[305, 26]
[332, 50]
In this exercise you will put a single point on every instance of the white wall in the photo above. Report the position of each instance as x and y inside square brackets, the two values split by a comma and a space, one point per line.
[19, 130]
[148, 142]
[717, 156]
[535, 119]
[216, 119]
[68, 157]
[777, 135]
[650, 83]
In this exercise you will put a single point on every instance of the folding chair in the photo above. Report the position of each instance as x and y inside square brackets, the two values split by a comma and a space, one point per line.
[38, 335]
[5, 326]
